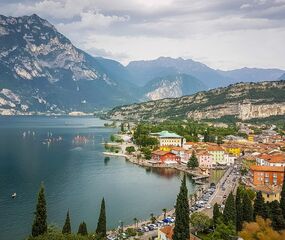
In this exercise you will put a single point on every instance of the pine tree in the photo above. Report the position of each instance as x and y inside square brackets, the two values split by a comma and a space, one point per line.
[216, 214]
[193, 161]
[101, 225]
[282, 200]
[229, 214]
[239, 210]
[82, 229]
[181, 228]
[40, 221]
[259, 207]
[67, 227]
[278, 222]
[247, 211]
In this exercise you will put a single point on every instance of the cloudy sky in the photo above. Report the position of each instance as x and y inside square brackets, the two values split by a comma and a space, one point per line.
[223, 34]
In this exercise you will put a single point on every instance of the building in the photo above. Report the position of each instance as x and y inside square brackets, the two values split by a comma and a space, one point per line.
[233, 150]
[218, 154]
[274, 160]
[182, 153]
[269, 193]
[164, 157]
[229, 159]
[205, 159]
[166, 138]
[250, 137]
[267, 175]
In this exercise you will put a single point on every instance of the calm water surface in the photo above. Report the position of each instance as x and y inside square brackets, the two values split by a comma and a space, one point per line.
[75, 175]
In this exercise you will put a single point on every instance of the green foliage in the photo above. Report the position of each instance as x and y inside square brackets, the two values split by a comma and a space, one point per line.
[247, 211]
[112, 138]
[101, 225]
[282, 200]
[181, 229]
[259, 206]
[40, 220]
[200, 221]
[229, 214]
[278, 222]
[67, 227]
[147, 152]
[216, 214]
[193, 161]
[82, 229]
[131, 232]
[239, 210]
[130, 149]
[60, 236]
[222, 232]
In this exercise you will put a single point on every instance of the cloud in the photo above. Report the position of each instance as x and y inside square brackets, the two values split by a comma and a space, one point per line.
[147, 28]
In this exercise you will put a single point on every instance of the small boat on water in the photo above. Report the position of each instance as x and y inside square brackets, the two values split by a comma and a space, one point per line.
[14, 195]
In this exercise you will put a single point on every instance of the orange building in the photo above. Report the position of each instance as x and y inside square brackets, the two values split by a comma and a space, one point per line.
[165, 157]
[267, 175]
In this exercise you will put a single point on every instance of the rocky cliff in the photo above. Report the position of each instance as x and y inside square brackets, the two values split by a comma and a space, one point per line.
[243, 101]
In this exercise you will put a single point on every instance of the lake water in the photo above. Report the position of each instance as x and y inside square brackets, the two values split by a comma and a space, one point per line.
[75, 175]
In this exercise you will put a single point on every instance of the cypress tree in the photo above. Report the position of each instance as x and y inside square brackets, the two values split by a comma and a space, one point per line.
[239, 210]
[259, 207]
[229, 214]
[282, 200]
[216, 214]
[82, 229]
[101, 225]
[181, 229]
[247, 211]
[67, 227]
[278, 222]
[40, 221]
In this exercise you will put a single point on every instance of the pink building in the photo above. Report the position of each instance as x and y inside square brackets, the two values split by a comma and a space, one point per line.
[205, 159]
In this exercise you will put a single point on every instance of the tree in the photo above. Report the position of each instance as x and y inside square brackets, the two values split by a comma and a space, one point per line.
[278, 222]
[112, 138]
[152, 218]
[67, 227]
[200, 221]
[130, 149]
[259, 207]
[40, 221]
[101, 225]
[164, 210]
[229, 214]
[122, 127]
[247, 211]
[136, 222]
[220, 140]
[82, 229]
[222, 232]
[193, 161]
[181, 229]
[239, 209]
[216, 214]
[260, 230]
[282, 200]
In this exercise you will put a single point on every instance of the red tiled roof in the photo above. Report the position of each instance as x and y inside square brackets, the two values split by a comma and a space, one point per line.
[266, 168]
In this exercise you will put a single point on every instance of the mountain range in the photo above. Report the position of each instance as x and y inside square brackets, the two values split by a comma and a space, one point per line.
[42, 71]
[240, 101]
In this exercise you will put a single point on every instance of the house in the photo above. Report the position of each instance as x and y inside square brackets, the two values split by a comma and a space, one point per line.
[182, 153]
[269, 193]
[229, 159]
[188, 145]
[205, 159]
[274, 160]
[166, 233]
[164, 157]
[267, 175]
[169, 139]
[233, 150]
[218, 154]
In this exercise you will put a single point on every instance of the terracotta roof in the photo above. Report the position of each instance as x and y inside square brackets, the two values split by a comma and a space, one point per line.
[267, 189]
[215, 148]
[160, 152]
[177, 148]
[275, 158]
[168, 231]
[266, 168]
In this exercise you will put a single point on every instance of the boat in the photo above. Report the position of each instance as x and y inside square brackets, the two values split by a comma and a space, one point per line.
[14, 195]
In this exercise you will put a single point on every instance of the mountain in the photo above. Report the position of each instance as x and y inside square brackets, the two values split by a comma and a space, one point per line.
[242, 101]
[252, 74]
[172, 86]
[48, 73]
[144, 71]
[282, 77]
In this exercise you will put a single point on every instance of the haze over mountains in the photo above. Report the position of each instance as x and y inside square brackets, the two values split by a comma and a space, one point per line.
[42, 71]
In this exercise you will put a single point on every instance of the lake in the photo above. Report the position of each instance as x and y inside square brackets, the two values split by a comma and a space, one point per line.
[65, 153]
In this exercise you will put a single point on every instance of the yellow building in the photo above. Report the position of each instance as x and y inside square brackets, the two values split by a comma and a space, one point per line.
[269, 192]
[167, 139]
[233, 150]
[250, 137]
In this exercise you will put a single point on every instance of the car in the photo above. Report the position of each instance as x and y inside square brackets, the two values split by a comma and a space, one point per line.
[208, 206]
